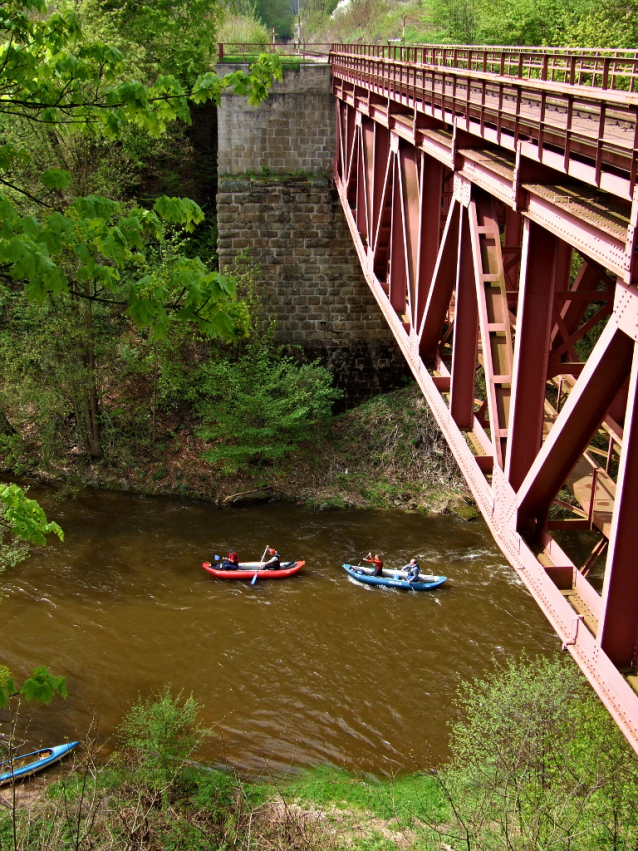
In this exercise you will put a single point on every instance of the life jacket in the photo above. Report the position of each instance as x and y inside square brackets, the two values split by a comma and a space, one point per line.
[233, 558]
[274, 562]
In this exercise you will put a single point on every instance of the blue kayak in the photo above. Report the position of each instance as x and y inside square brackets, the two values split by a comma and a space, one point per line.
[22, 766]
[394, 578]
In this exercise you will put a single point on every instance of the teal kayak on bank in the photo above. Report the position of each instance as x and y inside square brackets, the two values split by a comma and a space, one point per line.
[22, 766]
[394, 578]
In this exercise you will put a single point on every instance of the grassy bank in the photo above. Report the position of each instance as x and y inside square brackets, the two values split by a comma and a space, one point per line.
[386, 453]
[537, 763]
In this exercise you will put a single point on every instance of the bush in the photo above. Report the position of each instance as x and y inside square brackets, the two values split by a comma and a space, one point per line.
[159, 733]
[257, 408]
[539, 764]
[243, 29]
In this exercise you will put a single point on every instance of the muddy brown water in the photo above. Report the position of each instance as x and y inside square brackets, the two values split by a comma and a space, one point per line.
[316, 669]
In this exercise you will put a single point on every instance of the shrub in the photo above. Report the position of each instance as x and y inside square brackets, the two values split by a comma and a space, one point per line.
[257, 408]
[539, 764]
[159, 733]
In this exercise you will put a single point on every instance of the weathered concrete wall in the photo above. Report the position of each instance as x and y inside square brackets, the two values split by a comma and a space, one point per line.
[293, 226]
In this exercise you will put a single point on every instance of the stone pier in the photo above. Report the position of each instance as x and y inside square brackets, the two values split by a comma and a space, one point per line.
[276, 201]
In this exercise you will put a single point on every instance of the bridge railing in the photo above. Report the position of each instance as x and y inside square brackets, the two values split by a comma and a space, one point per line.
[244, 52]
[589, 132]
[615, 70]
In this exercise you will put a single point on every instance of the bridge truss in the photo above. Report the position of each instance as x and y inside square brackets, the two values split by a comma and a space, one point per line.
[491, 195]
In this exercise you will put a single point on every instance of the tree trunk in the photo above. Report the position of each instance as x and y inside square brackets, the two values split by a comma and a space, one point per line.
[5, 426]
[92, 396]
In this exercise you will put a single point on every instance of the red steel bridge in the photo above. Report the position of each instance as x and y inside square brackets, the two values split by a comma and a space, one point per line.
[491, 195]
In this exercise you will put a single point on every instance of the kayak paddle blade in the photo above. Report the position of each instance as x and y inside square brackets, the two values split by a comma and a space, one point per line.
[254, 579]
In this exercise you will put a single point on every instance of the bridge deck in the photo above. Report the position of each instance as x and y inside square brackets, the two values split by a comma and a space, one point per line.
[587, 133]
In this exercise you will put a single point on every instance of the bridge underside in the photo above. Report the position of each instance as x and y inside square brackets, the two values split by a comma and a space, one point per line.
[507, 276]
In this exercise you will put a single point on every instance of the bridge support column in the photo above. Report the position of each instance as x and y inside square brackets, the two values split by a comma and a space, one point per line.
[545, 265]
[429, 230]
[618, 628]
[465, 339]
[277, 204]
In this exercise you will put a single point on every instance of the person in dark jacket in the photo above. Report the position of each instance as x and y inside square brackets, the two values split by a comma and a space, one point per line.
[274, 562]
[413, 570]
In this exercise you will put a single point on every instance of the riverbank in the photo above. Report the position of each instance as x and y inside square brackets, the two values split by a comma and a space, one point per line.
[321, 810]
[386, 453]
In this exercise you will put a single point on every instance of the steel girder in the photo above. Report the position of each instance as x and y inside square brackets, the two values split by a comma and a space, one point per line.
[492, 283]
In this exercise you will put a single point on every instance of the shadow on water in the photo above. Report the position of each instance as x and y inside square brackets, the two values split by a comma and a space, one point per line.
[314, 669]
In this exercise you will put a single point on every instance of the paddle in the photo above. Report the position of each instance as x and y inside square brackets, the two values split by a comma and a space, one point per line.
[254, 579]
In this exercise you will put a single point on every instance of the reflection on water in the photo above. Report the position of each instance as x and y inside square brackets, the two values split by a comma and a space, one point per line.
[313, 669]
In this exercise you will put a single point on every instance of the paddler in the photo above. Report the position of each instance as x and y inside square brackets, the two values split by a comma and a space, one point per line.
[231, 561]
[274, 562]
[376, 563]
[413, 570]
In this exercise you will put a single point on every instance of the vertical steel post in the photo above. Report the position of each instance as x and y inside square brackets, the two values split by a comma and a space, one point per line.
[430, 229]
[618, 627]
[543, 267]
[398, 276]
[465, 339]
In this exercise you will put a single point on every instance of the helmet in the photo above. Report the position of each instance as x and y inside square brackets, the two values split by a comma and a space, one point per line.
[271, 551]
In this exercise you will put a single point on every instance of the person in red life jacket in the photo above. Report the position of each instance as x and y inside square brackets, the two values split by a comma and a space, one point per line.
[274, 562]
[376, 563]
[231, 562]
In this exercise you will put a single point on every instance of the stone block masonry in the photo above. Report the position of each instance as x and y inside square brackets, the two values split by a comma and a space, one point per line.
[284, 211]
[292, 131]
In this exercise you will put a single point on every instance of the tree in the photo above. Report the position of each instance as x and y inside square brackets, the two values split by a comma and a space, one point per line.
[258, 407]
[50, 77]
[531, 22]
[458, 19]
[608, 23]
[23, 523]
[175, 36]
[276, 15]
[84, 250]
[40, 687]
[24, 519]
[539, 764]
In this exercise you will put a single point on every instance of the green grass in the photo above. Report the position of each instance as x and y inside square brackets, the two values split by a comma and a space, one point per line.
[248, 58]
[400, 798]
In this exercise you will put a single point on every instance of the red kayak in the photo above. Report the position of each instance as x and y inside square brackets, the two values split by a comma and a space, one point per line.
[248, 569]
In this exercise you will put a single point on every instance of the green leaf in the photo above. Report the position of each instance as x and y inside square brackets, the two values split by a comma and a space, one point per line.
[56, 178]
[42, 687]
[25, 517]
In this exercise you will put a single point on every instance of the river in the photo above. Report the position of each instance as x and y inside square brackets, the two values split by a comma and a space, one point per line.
[313, 669]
